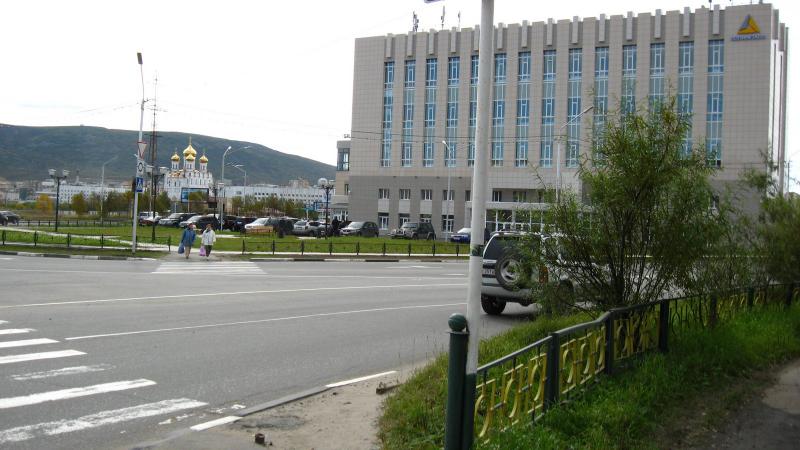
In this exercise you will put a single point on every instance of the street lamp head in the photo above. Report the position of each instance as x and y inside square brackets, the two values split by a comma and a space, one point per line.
[52, 172]
[322, 182]
[229, 147]
[588, 109]
[444, 143]
[139, 57]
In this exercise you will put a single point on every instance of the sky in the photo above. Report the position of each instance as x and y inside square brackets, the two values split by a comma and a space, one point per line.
[278, 73]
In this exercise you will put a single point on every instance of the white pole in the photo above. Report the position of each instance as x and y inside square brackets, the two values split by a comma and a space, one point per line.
[479, 186]
[447, 205]
[136, 194]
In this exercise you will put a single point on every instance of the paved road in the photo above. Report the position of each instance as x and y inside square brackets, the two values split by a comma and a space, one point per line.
[108, 354]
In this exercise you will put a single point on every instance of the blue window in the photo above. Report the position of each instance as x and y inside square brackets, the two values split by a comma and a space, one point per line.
[656, 75]
[548, 108]
[498, 108]
[601, 96]
[714, 100]
[388, 103]
[429, 143]
[685, 96]
[473, 109]
[628, 97]
[574, 106]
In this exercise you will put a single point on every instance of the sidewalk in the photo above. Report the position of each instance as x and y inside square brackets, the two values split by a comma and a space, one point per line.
[770, 421]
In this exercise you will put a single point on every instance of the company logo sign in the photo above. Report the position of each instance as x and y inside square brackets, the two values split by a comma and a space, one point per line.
[748, 31]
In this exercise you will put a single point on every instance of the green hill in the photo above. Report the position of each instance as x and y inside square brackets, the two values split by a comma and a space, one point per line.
[27, 152]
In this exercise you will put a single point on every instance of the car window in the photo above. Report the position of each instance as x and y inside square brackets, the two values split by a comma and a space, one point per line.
[498, 244]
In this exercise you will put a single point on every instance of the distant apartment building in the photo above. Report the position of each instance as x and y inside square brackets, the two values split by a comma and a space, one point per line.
[726, 67]
[67, 190]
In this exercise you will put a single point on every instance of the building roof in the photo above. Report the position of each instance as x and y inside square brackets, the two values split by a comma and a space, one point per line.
[175, 157]
[189, 150]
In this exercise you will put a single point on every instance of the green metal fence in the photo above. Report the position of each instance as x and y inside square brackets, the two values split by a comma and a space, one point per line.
[523, 385]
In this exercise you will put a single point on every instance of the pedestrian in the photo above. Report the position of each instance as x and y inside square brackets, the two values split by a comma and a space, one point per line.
[187, 239]
[335, 226]
[208, 239]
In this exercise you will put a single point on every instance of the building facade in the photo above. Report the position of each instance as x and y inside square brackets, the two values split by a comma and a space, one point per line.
[412, 143]
[185, 177]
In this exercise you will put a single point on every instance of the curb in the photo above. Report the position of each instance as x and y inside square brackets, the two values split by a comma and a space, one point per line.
[369, 260]
[65, 256]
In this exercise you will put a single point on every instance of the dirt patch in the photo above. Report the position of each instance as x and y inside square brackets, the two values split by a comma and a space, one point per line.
[759, 411]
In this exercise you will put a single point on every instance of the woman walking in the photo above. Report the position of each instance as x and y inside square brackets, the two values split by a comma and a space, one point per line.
[187, 239]
[209, 237]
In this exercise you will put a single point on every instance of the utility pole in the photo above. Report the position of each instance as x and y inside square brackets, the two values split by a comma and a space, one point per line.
[140, 164]
[153, 168]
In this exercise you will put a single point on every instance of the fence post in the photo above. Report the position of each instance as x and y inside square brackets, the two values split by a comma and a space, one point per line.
[712, 311]
[302, 247]
[433, 249]
[552, 384]
[68, 239]
[273, 247]
[609, 358]
[4, 237]
[358, 248]
[102, 238]
[456, 373]
[169, 243]
[457, 247]
[330, 248]
[751, 295]
[243, 244]
[384, 249]
[663, 326]
[35, 238]
[789, 292]
[409, 249]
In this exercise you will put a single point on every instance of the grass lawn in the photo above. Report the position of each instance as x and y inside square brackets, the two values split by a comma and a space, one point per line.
[80, 251]
[644, 406]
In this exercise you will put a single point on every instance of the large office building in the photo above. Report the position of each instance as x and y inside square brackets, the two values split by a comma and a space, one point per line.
[414, 106]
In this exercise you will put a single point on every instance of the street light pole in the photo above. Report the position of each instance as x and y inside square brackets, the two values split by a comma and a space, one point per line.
[222, 176]
[558, 152]
[139, 161]
[58, 179]
[327, 186]
[103, 187]
[448, 199]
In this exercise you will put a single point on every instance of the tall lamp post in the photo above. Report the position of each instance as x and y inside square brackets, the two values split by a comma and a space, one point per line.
[58, 179]
[448, 199]
[140, 165]
[558, 152]
[157, 175]
[241, 168]
[103, 187]
[324, 184]
[222, 176]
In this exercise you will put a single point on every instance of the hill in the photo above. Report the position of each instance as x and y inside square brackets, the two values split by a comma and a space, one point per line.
[27, 152]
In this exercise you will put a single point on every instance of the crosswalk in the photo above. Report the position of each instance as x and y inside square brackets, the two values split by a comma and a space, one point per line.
[211, 268]
[70, 375]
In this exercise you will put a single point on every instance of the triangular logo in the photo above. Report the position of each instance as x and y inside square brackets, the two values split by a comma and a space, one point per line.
[749, 26]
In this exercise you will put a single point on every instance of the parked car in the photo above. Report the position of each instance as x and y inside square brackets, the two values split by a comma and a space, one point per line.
[365, 229]
[414, 230]
[240, 222]
[462, 236]
[149, 220]
[309, 228]
[8, 217]
[228, 222]
[505, 277]
[200, 221]
[175, 219]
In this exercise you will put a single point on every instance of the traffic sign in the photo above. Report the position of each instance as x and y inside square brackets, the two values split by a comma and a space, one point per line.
[140, 167]
[139, 184]
[142, 146]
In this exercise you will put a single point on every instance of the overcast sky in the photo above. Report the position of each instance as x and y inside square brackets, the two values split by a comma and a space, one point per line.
[278, 73]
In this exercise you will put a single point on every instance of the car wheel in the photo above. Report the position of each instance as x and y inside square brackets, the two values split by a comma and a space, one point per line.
[415, 236]
[510, 272]
[492, 306]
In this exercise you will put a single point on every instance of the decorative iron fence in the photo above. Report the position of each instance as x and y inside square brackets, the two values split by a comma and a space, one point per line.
[523, 385]
[331, 247]
[68, 240]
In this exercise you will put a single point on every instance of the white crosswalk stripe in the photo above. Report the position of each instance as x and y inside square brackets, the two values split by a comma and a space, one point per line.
[210, 268]
[16, 330]
[63, 394]
[26, 342]
[98, 419]
[61, 372]
[36, 356]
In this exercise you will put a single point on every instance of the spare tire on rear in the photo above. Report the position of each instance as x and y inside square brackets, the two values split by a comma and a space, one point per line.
[511, 272]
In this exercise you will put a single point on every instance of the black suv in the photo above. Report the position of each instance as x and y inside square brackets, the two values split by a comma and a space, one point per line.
[175, 219]
[200, 222]
[414, 230]
[7, 217]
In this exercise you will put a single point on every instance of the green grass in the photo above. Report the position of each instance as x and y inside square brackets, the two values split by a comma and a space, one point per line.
[77, 251]
[255, 243]
[622, 411]
[414, 416]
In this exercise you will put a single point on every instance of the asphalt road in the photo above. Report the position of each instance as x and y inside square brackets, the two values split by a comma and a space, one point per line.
[110, 354]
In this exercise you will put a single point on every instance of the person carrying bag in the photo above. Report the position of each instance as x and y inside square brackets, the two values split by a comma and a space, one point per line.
[208, 240]
[187, 240]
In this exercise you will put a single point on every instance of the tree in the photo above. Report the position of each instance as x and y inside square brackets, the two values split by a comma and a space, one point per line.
[162, 202]
[79, 205]
[646, 215]
[44, 203]
[236, 204]
[198, 198]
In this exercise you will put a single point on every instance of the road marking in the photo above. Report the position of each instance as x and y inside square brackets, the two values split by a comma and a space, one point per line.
[356, 380]
[36, 356]
[63, 394]
[209, 268]
[3, 321]
[26, 342]
[60, 372]
[16, 330]
[6, 259]
[248, 322]
[98, 419]
[214, 423]
[214, 294]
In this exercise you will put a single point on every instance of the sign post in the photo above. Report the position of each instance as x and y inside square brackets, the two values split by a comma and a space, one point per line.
[140, 165]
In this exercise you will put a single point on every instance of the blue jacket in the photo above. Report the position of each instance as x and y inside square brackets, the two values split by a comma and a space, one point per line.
[188, 237]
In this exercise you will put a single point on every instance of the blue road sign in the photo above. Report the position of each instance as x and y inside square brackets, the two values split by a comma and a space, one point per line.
[139, 184]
